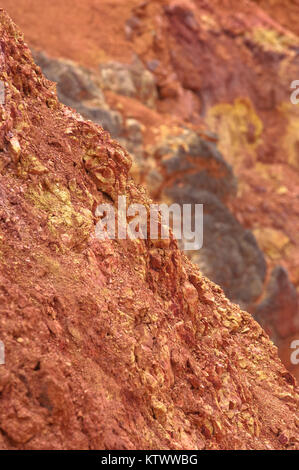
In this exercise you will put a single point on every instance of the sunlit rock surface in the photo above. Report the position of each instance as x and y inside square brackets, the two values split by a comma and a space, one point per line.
[103, 349]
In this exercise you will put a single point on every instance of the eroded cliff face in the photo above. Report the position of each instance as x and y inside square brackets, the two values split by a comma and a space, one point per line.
[167, 73]
[285, 12]
[199, 93]
[121, 344]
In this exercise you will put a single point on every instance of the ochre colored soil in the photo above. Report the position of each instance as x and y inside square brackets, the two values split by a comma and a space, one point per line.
[112, 345]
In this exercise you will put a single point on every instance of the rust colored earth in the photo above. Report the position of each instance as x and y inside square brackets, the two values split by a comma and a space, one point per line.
[225, 66]
[125, 344]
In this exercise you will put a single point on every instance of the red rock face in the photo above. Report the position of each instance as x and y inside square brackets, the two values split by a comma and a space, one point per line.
[103, 349]
[225, 66]
[284, 12]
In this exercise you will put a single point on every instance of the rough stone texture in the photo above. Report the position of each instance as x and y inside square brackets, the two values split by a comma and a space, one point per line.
[277, 313]
[132, 80]
[190, 161]
[104, 349]
[224, 64]
[230, 255]
[239, 63]
[284, 12]
[281, 304]
[81, 89]
[194, 172]
[187, 166]
[77, 88]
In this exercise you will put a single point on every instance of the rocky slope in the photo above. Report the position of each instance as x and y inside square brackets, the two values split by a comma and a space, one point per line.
[284, 12]
[115, 344]
[160, 77]
[182, 165]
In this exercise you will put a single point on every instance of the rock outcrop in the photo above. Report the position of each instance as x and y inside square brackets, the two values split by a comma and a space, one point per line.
[236, 83]
[77, 88]
[116, 344]
[183, 166]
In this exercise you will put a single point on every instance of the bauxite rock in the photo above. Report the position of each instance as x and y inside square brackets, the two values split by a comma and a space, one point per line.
[104, 349]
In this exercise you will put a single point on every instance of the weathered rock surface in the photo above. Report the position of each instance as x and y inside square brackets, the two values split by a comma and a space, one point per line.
[132, 80]
[189, 161]
[104, 350]
[188, 169]
[281, 305]
[194, 172]
[239, 63]
[239, 84]
[230, 255]
[285, 12]
[77, 88]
